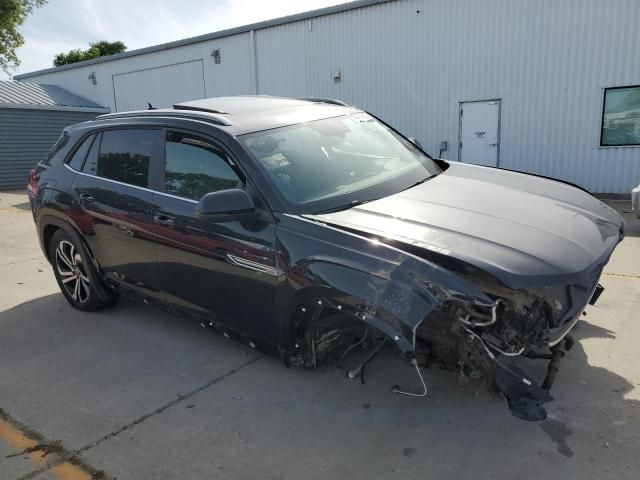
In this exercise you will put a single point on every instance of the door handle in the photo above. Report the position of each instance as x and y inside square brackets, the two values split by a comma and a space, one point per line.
[493, 144]
[164, 220]
[86, 197]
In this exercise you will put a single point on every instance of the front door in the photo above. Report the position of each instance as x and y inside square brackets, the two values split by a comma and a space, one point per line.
[221, 271]
[480, 133]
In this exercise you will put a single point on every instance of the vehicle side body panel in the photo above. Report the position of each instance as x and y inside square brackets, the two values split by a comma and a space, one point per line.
[382, 285]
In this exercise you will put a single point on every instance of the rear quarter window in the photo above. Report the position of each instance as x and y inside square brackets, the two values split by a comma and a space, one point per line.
[77, 159]
[62, 142]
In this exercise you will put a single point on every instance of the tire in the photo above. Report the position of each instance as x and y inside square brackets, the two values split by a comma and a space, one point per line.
[75, 272]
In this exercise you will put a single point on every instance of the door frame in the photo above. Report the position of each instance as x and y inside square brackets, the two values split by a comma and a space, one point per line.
[498, 136]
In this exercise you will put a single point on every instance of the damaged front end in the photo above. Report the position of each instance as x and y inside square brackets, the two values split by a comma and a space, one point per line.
[484, 343]
[496, 342]
[458, 317]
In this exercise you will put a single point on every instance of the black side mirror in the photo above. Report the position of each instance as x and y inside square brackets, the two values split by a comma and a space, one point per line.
[225, 203]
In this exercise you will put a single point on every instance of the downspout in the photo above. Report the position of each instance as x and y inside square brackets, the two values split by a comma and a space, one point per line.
[254, 55]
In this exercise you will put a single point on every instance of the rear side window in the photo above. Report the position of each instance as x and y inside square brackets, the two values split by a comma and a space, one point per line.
[59, 145]
[77, 160]
[194, 167]
[123, 155]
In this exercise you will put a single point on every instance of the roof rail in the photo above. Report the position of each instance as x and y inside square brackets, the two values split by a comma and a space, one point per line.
[332, 101]
[182, 113]
[196, 108]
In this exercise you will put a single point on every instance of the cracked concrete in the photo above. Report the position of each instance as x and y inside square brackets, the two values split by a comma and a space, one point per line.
[180, 398]
[141, 395]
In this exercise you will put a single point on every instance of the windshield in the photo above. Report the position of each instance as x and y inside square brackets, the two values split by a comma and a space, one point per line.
[338, 162]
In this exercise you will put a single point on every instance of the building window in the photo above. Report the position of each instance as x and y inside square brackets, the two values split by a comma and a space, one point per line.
[621, 117]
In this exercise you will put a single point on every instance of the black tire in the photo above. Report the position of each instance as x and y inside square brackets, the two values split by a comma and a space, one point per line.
[76, 274]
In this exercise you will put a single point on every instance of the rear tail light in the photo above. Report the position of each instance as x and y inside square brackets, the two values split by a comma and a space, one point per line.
[32, 186]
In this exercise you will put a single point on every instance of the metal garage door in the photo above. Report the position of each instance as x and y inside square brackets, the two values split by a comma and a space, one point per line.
[25, 138]
[160, 86]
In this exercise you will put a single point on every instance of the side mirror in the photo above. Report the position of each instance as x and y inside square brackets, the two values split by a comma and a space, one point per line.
[225, 202]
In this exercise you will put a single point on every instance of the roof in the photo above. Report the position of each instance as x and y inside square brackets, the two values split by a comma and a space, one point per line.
[212, 36]
[247, 113]
[46, 97]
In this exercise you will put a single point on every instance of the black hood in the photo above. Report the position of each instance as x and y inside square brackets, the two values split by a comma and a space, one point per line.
[523, 229]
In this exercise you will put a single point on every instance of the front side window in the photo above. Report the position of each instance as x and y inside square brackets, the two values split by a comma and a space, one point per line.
[123, 155]
[334, 162]
[194, 167]
[621, 117]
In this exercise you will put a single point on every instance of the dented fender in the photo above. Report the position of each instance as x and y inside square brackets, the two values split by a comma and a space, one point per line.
[385, 287]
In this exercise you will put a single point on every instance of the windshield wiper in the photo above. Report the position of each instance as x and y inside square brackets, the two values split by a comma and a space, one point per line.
[340, 208]
[419, 182]
[355, 203]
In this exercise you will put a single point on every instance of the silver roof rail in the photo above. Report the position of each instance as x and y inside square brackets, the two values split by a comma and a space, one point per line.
[169, 112]
[332, 101]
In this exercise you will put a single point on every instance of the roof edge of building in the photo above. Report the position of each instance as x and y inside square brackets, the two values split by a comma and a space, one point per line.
[64, 108]
[212, 36]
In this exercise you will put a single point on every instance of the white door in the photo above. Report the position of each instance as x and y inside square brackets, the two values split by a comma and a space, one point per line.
[480, 132]
[160, 86]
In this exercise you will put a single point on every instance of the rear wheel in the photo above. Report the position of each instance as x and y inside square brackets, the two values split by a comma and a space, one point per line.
[75, 273]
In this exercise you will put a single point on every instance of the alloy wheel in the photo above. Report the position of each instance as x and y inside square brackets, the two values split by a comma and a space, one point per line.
[73, 274]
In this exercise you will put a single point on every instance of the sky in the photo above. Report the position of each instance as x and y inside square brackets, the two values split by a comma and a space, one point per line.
[62, 25]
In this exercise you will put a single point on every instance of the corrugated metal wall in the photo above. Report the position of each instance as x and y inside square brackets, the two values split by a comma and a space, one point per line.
[25, 138]
[136, 90]
[412, 61]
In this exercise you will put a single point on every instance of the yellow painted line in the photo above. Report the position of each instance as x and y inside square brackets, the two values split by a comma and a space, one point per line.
[621, 275]
[18, 440]
[68, 471]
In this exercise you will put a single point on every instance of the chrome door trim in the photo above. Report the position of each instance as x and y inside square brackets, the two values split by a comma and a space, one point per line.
[255, 266]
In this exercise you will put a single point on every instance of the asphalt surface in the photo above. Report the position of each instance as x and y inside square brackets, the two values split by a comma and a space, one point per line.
[132, 393]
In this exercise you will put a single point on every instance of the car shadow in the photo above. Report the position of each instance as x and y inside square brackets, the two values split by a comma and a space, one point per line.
[22, 206]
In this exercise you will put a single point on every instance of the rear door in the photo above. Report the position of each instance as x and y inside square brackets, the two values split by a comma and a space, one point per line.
[116, 207]
[224, 271]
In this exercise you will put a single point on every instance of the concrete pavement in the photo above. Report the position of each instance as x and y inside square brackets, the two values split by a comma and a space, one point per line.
[132, 393]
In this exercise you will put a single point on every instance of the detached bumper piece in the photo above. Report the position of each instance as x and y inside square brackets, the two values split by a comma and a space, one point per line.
[526, 399]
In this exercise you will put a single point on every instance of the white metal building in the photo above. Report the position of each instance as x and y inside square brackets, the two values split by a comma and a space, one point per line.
[523, 84]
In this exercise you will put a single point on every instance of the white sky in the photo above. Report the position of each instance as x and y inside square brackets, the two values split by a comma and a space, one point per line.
[62, 25]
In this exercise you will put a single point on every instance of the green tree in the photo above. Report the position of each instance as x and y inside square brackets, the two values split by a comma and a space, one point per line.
[108, 48]
[97, 49]
[12, 15]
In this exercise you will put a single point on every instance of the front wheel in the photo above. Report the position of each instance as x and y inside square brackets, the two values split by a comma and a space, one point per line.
[74, 273]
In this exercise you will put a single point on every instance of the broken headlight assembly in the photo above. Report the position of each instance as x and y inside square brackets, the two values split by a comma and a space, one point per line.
[481, 341]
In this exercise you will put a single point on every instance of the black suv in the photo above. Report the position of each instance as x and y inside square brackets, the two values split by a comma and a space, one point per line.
[306, 228]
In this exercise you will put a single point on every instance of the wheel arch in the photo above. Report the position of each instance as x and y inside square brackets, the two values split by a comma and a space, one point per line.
[48, 225]
[389, 304]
